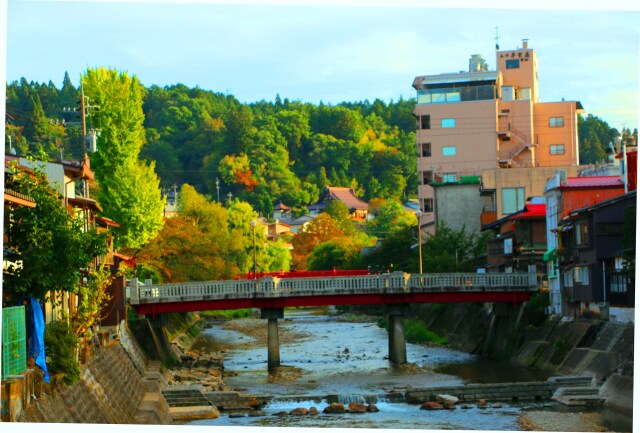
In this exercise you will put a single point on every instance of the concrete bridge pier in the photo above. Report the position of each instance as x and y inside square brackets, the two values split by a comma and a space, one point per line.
[397, 342]
[273, 344]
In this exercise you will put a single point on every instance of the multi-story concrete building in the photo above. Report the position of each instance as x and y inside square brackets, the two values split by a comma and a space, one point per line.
[474, 121]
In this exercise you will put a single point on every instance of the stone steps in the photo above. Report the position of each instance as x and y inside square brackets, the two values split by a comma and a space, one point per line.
[185, 398]
[576, 391]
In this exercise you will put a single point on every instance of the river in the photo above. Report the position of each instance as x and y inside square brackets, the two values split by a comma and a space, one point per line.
[349, 360]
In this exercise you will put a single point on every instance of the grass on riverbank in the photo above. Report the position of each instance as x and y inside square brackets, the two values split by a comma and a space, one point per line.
[227, 314]
[416, 332]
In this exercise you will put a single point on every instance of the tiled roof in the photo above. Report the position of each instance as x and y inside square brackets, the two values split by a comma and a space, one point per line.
[346, 196]
[592, 182]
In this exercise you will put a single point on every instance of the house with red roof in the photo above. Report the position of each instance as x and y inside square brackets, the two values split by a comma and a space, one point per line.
[357, 208]
[562, 195]
[519, 240]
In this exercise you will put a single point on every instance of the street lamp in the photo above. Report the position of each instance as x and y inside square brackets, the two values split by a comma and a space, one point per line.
[255, 274]
[418, 215]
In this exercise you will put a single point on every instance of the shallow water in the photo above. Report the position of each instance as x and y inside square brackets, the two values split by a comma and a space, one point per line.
[350, 360]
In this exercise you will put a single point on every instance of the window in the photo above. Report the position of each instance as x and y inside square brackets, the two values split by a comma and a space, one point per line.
[581, 275]
[508, 246]
[508, 93]
[556, 149]
[427, 205]
[512, 200]
[427, 177]
[524, 94]
[450, 177]
[618, 283]
[605, 229]
[448, 123]
[426, 149]
[448, 151]
[556, 122]
[425, 122]
[567, 279]
[513, 64]
[582, 234]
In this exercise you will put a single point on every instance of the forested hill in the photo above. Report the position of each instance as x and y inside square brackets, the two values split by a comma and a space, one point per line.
[263, 152]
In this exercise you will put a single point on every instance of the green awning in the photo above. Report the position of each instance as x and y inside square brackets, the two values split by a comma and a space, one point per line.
[550, 255]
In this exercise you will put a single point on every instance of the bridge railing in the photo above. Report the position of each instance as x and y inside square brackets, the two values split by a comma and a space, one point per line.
[274, 287]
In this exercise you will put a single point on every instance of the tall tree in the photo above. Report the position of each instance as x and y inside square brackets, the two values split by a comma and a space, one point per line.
[129, 189]
[119, 116]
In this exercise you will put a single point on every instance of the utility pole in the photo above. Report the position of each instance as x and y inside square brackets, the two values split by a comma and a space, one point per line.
[218, 188]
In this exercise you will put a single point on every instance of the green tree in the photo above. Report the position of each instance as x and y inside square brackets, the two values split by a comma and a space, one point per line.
[391, 216]
[129, 188]
[132, 197]
[340, 214]
[119, 116]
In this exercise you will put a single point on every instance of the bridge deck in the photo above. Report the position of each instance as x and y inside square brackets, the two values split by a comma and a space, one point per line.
[273, 292]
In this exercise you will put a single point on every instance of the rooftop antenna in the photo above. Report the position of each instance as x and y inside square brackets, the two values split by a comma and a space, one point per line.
[496, 38]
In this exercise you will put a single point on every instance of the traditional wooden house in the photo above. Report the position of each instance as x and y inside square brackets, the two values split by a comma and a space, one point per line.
[518, 241]
[357, 208]
[596, 247]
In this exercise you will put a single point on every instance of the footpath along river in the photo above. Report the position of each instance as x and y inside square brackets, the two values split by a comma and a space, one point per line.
[330, 355]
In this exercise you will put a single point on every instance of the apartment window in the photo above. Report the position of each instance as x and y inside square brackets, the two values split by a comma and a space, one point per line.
[556, 149]
[512, 200]
[425, 122]
[582, 234]
[524, 93]
[427, 177]
[448, 151]
[556, 122]
[581, 275]
[426, 149]
[427, 205]
[513, 64]
[449, 177]
[448, 123]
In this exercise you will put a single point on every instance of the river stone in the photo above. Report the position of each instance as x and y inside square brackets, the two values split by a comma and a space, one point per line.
[313, 411]
[482, 403]
[334, 408]
[357, 408]
[299, 411]
[281, 413]
[496, 405]
[372, 408]
[446, 399]
[431, 405]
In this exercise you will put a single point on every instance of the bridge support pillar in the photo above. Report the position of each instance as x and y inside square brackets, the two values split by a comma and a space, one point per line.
[273, 344]
[397, 343]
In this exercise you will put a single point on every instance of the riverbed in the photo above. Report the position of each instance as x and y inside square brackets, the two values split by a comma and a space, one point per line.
[348, 361]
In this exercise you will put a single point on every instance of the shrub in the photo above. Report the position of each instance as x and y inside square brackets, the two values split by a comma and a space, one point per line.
[61, 343]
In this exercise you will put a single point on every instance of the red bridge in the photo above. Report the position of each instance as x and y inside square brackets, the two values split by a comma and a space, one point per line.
[272, 293]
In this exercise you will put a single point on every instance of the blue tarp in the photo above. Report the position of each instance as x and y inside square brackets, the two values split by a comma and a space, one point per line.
[35, 330]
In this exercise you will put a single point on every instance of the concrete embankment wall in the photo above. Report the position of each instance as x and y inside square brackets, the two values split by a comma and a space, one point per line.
[119, 386]
[110, 391]
[601, 349]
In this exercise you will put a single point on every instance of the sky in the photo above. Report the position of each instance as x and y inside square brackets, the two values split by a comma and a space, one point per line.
[322, 51]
